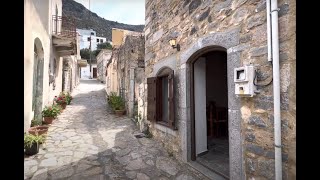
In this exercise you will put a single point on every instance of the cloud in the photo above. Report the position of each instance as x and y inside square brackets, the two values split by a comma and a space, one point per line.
[123, 11]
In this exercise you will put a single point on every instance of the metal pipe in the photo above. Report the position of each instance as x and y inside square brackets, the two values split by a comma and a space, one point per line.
[276, 89]
[269, 31]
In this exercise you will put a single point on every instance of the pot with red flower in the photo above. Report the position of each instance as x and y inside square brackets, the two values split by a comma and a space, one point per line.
[61, 100]
[49, 113]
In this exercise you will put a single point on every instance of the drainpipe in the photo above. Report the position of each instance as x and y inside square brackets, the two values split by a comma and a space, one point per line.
[272, 7]
[269, 31]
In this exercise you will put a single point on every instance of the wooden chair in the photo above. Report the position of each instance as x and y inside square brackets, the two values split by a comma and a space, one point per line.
[216, 116]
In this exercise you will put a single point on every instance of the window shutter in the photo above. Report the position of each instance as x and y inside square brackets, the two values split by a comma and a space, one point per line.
[152, 99]
[171, 99]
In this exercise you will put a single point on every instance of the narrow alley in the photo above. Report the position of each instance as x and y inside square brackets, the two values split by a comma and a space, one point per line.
[86, 141]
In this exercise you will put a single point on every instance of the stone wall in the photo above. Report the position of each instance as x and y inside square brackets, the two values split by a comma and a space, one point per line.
[102, 58]
[130, 69]
[240, 27]
[70, 74]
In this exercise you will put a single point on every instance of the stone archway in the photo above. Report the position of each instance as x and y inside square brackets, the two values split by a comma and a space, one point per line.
[228, 40]
[37, 93]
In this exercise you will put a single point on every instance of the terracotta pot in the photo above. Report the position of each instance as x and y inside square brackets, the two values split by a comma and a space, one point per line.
[120, 112]
[38, 129]
[48, 120]
[63, 106]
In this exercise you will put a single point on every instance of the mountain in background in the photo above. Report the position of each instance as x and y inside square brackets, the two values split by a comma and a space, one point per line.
[86, 19]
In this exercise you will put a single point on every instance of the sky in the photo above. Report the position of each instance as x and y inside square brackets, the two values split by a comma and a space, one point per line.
[123, 11]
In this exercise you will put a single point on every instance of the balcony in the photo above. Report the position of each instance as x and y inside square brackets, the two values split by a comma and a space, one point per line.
[82, 63]
[64, 35]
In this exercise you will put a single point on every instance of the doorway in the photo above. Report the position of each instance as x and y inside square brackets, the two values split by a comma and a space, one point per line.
[210, 139]
[94, 72]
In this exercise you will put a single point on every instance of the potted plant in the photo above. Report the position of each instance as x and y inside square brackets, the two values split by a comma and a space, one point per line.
[37, 128]
[110, 99]
[118, 105]
[58, 108]
[31, 143]
[61, 100]
[49, 113]
[68, 97]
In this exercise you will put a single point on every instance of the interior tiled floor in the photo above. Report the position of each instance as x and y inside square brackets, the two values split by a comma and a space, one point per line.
[217, 158]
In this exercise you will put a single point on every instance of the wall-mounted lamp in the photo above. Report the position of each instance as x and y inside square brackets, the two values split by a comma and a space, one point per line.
[173, 44]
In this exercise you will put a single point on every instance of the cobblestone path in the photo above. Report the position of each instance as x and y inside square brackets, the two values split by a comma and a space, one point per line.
[86, 141]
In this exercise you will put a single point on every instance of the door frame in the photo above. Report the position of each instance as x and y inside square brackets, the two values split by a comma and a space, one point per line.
[192, 106]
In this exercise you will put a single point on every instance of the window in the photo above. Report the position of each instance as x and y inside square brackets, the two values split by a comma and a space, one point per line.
[88, 38]
[101, 40]
[92, 33]
[161, 98]
[97, 40]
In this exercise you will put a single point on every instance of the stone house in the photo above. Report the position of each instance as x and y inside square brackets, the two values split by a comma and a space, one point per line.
[102, 59]
[111, 73]
[125, 70]
[194, 92]
[71, 69]
[45, 46]
[130, 70]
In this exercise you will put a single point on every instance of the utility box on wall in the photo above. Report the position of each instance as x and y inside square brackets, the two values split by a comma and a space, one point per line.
[243, 78]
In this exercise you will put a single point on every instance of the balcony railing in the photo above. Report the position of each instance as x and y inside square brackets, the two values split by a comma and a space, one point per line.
[64, 26]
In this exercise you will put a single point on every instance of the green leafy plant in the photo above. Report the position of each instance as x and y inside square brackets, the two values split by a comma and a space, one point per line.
[111, 97]
[49, 111]
[30, 139]
[117, 103]
[57, 107]
[35, 122]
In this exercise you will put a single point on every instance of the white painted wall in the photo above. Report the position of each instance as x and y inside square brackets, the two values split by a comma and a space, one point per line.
[200, 105]
[37, 24]
[84, 43]
[85, 71]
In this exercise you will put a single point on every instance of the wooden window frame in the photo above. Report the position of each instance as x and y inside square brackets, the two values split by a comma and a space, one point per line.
[155, 100]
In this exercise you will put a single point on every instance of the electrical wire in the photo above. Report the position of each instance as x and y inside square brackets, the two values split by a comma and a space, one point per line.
[261, 85]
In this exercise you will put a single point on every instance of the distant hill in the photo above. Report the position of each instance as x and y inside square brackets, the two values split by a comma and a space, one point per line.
[86, 19]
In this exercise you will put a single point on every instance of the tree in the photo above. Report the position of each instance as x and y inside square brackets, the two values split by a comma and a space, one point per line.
[105, 45]
[85, 53]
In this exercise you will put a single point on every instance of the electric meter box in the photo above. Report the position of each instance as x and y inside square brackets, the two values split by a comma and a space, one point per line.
[243, 78]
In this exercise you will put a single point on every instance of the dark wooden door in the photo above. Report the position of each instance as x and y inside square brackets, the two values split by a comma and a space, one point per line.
[94, 72]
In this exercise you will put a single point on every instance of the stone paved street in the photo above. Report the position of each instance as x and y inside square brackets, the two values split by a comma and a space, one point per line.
[86, 141]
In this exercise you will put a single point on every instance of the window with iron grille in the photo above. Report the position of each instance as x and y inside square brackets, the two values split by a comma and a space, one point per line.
[161, 98]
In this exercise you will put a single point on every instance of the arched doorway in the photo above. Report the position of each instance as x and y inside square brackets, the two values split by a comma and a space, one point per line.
[37, 92]
[209, 107]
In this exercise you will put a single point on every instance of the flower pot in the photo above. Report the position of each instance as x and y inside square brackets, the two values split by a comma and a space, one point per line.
[38, 129]
[34, 149]
[48, 120]
[63, 106]
[120, 112]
